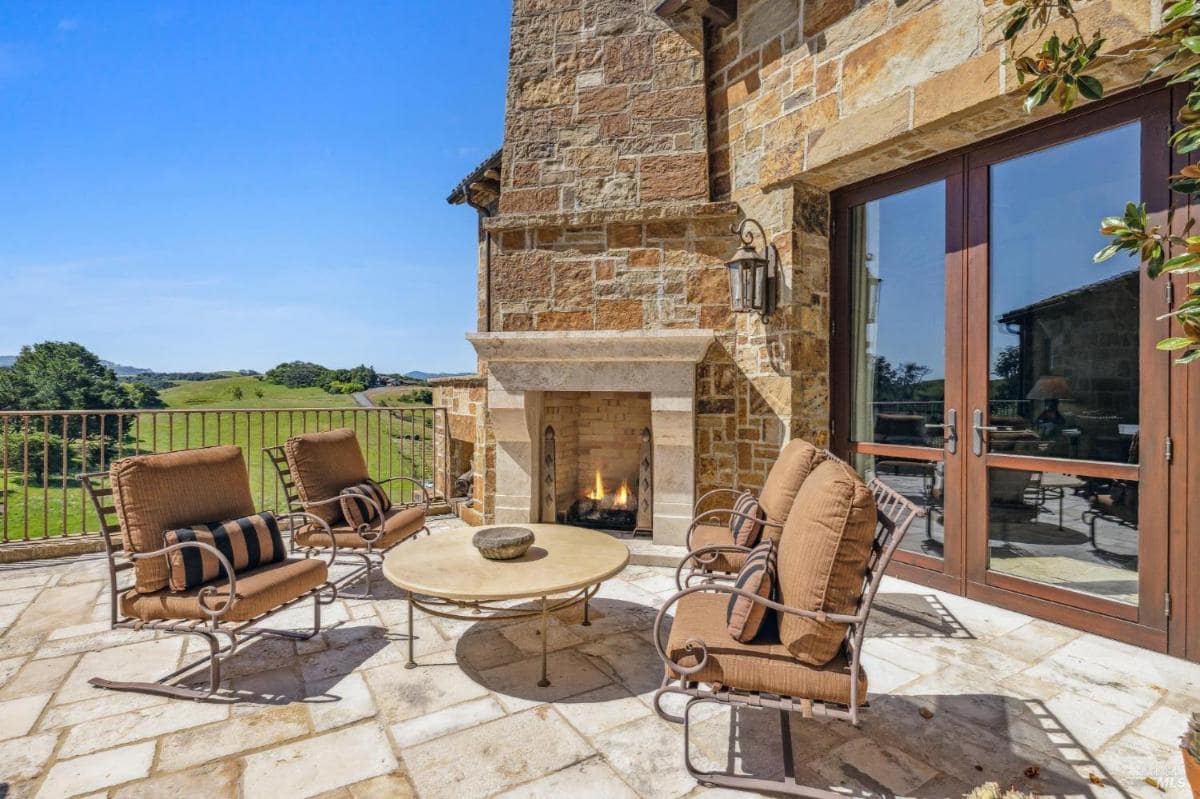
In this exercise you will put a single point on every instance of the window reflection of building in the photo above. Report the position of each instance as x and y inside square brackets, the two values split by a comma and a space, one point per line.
[1066, 370]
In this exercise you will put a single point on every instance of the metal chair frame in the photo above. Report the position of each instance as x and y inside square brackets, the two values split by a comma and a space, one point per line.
[895, 515]
[235, 632]
[372, 559]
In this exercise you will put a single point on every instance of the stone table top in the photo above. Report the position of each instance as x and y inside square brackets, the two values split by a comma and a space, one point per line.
[562, 559]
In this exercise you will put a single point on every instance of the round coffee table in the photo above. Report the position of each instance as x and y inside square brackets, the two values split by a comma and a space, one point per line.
[445, 575]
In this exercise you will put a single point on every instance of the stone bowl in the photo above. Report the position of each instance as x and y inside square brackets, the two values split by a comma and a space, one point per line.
[503, 543]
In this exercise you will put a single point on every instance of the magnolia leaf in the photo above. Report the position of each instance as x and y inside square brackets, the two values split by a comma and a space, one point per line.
[1174, 343]
[1090, 87]
[1107, 252]
[1191, 42]
[1191, 356]
[1179, 9]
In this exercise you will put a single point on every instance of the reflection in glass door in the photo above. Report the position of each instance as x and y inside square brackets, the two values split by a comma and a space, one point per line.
[1064, 368]
[896, 287]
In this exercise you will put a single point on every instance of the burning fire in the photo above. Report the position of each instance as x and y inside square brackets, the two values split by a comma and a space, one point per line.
[597, 493]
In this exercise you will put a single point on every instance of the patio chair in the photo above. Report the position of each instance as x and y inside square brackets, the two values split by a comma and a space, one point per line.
[320, 473]
[713, 552]
[175, 496]
[835, 546]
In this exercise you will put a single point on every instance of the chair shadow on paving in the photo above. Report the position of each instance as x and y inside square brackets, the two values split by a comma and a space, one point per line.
[913, 616]
[268, 671]
[967, 740]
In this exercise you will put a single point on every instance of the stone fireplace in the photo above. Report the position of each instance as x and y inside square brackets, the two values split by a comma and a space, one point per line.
[599, 391]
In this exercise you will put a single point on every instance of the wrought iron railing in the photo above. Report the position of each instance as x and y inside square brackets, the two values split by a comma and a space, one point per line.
[41, 452]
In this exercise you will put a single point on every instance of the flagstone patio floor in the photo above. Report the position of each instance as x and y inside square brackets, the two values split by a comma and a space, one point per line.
[961, 693]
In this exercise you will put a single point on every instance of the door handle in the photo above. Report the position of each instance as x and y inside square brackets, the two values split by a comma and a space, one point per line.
[951, 430]
[980, 428]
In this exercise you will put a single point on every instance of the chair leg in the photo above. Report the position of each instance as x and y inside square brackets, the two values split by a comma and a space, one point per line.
[727, 779]
[216, 653]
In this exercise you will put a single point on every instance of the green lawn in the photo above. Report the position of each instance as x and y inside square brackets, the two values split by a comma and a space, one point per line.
[396, 441]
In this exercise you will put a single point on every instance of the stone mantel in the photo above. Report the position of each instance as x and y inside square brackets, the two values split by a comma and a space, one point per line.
[522, 366]
[618, 346]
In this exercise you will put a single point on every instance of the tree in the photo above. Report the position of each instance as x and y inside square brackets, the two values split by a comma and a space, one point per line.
[141, 395]
[298, 374]
[237, 392]
[896, 384]
[58, 375]
[1059, 71]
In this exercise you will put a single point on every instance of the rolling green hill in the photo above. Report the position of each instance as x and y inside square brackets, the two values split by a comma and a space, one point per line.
[222, 393]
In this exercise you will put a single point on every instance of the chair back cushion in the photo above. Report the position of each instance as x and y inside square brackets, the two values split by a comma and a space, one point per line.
[823, 559]
[247, 543]
[745, 616]
[795, 462]
[322, 464]
[746, 531]
[160, 492]
[356, 511]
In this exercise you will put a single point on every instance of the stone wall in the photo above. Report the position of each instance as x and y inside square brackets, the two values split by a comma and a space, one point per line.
[605, 108]
[631, 144]
[465, 401]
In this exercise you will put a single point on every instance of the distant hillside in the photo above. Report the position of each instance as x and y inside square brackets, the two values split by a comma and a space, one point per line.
[119, 369]
[433, 375]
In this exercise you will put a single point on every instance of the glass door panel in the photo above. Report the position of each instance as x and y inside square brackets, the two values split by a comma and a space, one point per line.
[1064, 330]
[898, 317]
[897, 299]
[1056, 439]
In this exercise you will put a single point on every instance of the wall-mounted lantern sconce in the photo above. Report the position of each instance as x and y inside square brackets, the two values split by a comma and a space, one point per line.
[753, 277]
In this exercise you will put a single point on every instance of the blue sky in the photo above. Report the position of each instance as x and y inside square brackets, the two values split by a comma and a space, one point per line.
[224, 185]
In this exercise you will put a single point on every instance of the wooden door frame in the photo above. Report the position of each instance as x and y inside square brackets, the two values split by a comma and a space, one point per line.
[942, 572]
[1147, 625]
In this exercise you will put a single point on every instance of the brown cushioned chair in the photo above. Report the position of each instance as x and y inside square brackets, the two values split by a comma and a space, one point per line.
[138, 500]
[314, 468]
[712, 552]
[838, 538]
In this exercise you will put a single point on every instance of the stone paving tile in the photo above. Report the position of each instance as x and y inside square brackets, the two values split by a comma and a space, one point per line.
[494, 756]
[269, 727]
[214, 781]
[17, 716]
[1003, 693]
[25, 758]
[99, 770]
[424, 728]
[150, 722]
[592, 779]
[322, 763]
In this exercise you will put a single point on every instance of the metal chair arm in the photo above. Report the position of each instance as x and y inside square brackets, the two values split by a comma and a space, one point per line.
[716, 492]
[417, 483]
[324, 524]
[696, 643]
[207, 591]
[732, 514]
[705, 556]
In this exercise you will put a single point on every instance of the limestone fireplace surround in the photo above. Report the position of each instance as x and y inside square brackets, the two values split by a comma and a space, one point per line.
[522, 366]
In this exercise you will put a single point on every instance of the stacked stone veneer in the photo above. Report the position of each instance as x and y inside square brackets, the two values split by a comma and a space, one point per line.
[631, 144]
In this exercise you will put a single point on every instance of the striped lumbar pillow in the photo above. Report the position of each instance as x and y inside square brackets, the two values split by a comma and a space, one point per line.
[746, 531]
[355, 511]
[246, 543]
[745, 616]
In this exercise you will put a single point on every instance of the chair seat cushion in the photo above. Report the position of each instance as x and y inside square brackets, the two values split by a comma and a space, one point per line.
[708, 535]
[399, 524]
[762, 665]
[258, 591]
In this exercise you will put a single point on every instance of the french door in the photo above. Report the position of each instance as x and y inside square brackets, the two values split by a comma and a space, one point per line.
[991, 371]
